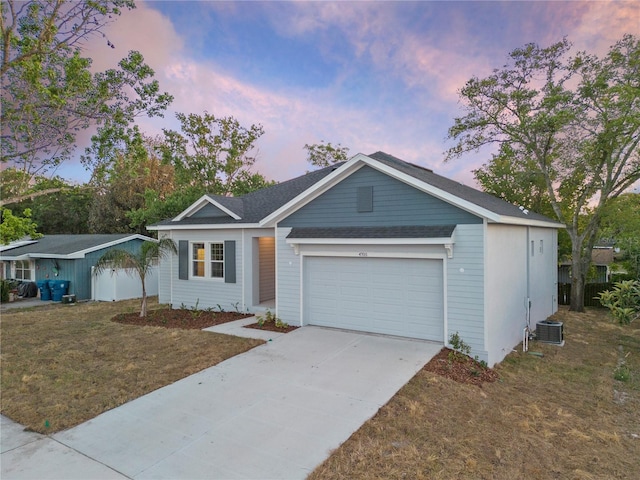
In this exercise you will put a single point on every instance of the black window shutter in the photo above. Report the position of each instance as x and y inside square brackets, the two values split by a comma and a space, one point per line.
[229, 261]
[183, 260]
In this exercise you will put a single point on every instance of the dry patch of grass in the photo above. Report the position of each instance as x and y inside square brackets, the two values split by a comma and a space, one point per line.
[65, 364]
[560, 416]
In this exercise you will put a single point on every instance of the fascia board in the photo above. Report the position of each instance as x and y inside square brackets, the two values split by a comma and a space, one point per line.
[529, 223]
[137, 236]
[222, 226]
[233, 215]
[4, 258]
[370, 241]
[194, 207]
[201, 203]
[314, 191]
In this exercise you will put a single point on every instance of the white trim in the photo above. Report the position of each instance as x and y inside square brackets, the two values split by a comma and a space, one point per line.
[16, 244]
[207, 261]
[357, 254]
[312, 192]
[201, 203]
[371, 241]
[205, 226]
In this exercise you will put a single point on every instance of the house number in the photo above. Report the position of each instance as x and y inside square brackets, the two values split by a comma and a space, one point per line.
[363, 254]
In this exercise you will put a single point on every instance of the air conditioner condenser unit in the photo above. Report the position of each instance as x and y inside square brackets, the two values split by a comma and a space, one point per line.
[550, 332]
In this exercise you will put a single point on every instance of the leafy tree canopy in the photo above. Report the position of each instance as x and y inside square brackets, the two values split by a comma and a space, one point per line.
[324, 154]
[567, 130]
[213, 153]
[49, 92]
[621, 227]
[14, 228]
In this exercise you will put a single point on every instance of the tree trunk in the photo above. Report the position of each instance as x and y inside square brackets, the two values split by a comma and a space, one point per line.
[143, 305]
[578, 278]
[580, 263]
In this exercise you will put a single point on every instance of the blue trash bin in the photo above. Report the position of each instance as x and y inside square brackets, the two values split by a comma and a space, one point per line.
[45, 291]
[58, 289]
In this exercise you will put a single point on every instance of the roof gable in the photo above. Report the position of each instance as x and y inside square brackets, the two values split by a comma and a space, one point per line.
[250, 208]
[466, 198]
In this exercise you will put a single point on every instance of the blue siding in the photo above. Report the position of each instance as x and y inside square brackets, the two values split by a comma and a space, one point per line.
[210, 211]
[78, 271]
[394, 204]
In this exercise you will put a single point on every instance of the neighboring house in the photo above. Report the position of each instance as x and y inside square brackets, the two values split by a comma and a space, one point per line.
[601, 260]
[64, 257]
[376, 245]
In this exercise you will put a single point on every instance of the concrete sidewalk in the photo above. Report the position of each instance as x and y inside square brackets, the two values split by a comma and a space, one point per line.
[276, 411]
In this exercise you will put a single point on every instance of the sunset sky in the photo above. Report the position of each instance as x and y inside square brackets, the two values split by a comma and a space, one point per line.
[368, 75]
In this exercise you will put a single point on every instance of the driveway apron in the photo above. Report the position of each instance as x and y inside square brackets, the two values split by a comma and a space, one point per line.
[276, 411]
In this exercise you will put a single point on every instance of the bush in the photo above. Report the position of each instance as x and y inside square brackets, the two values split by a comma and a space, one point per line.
[5, 288]
[623, 301]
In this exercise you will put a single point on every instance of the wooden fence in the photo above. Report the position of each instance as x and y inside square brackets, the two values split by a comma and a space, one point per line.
[591, 291]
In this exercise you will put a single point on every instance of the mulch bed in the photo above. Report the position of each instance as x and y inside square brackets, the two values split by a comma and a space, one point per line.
[270, 326]
[183, 318]
[188, 319]
[461, 369]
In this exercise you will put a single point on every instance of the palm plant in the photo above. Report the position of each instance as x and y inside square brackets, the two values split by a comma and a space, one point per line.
[137, 263]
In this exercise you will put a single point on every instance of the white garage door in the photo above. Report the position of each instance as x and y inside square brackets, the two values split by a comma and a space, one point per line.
[392, 296]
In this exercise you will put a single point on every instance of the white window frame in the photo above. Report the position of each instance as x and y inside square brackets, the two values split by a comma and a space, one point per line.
[30, 269]
[207, 260]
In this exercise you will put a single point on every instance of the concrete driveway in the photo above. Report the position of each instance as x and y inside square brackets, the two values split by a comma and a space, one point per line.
[276, 411]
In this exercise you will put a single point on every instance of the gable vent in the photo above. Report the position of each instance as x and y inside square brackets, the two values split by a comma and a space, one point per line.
[365, 199]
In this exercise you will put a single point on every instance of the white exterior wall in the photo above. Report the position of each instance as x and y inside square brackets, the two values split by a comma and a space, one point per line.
[211, 293]
[118, 284]
[516, 277]
[207, 292]
[543, 274]
[506, 288]
[463, 279]
[288, 279]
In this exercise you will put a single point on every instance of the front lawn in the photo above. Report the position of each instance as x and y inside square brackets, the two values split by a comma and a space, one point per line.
[65, 364]
[573, 413]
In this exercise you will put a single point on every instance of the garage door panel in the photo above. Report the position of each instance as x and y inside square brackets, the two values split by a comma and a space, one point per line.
[382, 295]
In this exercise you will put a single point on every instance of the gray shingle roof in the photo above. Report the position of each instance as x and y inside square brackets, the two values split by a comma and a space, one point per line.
[482, 199]
[64, 244]
[259, 204]
[255, 206]
[431, 231]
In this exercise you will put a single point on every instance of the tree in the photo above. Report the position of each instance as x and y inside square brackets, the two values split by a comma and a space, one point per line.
[123, 185]
[620, 226]
[324, 154]
[211, 153]
[573, 122]
[137, 264]
[48, 91]
[63, 209]
[14, 228]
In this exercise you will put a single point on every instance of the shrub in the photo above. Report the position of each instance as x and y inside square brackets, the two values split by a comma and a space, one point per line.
[460, 349]
[623, 301]
[5, 288]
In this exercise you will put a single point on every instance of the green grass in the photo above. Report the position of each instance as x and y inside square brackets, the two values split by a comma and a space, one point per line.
[65, 364]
